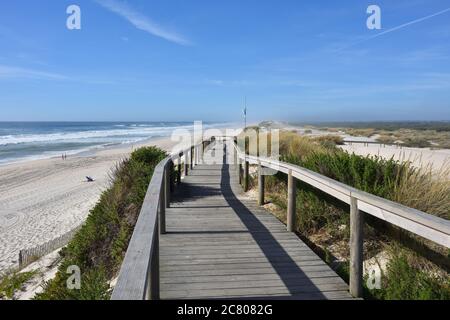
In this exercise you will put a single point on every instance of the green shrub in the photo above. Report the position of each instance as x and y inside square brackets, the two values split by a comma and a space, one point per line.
[99, 247]
[405, 281]
[10, 283]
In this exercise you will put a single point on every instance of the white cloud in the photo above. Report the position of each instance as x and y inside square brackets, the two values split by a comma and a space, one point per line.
[142, 22]
[9, 72]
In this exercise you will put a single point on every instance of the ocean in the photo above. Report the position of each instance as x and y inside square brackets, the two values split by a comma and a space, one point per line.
[21, 141]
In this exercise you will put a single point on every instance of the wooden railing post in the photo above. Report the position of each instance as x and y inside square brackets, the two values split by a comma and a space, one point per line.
[172, 177]
[191, 156]
[260, 185]
[162, 206]
[196, 155]
[186, 164]
[246, 175]
[179, 168]
[167, 183]
[246, 165]
[356, 249]
[292, 190]
[239, 171]
[154, 271]
[237, 162]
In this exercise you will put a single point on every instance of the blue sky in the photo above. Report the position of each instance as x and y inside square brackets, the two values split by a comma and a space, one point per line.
[196, 60]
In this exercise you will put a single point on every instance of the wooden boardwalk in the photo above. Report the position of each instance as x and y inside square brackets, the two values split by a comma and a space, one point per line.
[220, 245]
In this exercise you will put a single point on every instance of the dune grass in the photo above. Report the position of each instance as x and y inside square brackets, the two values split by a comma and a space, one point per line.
[418, 134]
[99, 247]
[11, 283]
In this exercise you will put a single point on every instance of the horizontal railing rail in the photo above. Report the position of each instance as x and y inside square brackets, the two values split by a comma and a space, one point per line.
[382, 144]
[139, 274]
[420, 223]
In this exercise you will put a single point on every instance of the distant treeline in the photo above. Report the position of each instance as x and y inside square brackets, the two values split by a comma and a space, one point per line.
[380, 125]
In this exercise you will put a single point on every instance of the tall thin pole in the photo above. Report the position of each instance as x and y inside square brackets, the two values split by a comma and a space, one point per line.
[245, 113]
[245, 145]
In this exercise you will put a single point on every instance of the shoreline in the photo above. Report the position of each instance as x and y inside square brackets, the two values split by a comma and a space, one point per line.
[92, 147]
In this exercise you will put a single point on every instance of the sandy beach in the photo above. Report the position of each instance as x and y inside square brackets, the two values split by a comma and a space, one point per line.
[435, 160]
[43, 199]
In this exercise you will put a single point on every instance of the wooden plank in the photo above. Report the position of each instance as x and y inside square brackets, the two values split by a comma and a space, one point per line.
[278, 266]
[268, 275]
[250, 292]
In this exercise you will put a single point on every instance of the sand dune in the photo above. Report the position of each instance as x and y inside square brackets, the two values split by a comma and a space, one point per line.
[40, 200]
[419, 157]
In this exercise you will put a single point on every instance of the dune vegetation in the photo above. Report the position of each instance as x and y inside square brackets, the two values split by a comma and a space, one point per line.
[324, 221]
[99, 247]
[408, 134]
[14, 281]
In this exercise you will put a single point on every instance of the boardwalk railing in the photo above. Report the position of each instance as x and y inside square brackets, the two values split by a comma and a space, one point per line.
[420, 223]
[366, 143]
[139, 274]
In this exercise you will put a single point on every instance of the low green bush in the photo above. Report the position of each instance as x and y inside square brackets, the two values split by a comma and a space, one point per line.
[405, 280]
[13, 282]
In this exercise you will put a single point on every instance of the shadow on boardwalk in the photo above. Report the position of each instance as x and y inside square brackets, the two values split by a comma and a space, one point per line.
[272, 249]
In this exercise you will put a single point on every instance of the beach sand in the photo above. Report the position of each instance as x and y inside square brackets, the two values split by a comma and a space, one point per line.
[43, 199]
[419, 157]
